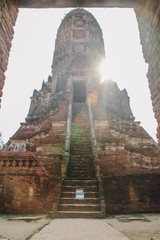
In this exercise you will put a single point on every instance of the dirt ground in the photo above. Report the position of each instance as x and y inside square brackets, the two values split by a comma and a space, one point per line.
[135, 227]
[20, 229]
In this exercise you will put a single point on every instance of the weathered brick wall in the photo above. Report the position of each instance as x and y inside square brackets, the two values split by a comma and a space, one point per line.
[125, 150]
[148, 17]
[30, 181]
[8, 15]
[129, 162]
[132, 193]
[25, 185]
[26, 193]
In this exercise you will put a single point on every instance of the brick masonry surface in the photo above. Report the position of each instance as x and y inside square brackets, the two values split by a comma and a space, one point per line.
[8, 16]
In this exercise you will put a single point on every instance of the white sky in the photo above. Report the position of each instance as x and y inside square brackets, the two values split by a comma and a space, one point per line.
[31, 58]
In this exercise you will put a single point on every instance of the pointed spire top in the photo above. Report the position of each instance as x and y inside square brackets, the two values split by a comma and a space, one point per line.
[36, 93]
[43, 85]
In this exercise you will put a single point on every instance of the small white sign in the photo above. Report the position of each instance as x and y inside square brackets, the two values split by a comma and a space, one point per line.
[79, 193]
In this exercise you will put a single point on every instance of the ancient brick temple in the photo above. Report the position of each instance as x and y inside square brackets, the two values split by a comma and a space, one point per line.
[79, 137]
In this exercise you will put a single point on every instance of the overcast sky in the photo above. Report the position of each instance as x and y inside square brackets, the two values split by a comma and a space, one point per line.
[31, 58]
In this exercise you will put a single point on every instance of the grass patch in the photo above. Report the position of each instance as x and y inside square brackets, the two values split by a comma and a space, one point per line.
[28, 220]
[49, 217]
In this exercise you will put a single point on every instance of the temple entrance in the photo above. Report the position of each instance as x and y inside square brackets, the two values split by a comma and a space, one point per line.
[79, 91]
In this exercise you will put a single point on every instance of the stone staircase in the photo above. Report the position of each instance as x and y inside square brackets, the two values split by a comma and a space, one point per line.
[71, 207]
[81, 164]
[81, 172]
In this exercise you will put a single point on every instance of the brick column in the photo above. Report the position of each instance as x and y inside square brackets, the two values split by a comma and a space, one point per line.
[148, 17]
[8, 15]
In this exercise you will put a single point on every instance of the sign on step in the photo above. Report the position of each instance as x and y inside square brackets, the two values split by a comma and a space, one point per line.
[79, 193]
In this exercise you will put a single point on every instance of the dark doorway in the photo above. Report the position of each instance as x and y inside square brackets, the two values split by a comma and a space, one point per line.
[79, 91]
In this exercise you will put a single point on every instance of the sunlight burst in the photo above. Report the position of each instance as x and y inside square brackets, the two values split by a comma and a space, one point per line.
[103, 69]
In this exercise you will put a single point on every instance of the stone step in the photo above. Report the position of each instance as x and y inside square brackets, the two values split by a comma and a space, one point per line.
[80, 155]
[84, 172]
[84, 148]
[80, 136]
[83, 169]
[82, 176]
[73, 195]
[80, 123]
[86, 151]
[81, 126]
[85, 188]
[79, 160]
[80, 166]
[83, 161]
[81, 173]
[79, 178]
[80, 201]
[78, 214]
[75, 172]
[79, 207]
[75, 133]
[80, 139]
[80, 183]
[85, 142]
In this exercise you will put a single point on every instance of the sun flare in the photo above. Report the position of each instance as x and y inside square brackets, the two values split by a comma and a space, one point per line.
[103, 70]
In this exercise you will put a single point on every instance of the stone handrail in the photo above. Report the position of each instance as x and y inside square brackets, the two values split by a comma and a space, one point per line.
[14, 148]
[67, 143]
[96, 160]
[94, 142]
[68, 130]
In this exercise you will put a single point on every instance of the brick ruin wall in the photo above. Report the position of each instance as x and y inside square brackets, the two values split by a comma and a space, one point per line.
[130, 175]
[25, 185]
[26, 192]
[148, 18]
[30, 181]
[8, 16]
[132, 193]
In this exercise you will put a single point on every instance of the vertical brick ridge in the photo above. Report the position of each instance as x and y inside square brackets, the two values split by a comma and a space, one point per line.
[8, 16]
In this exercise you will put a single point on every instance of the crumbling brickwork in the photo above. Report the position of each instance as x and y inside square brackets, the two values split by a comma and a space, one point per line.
[148, 17]
[8, 16]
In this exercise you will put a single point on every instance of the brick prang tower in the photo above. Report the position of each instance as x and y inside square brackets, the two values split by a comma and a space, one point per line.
[80, 152]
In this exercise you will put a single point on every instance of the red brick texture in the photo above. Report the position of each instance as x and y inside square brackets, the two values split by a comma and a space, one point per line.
[148, 17]
[8, 16]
